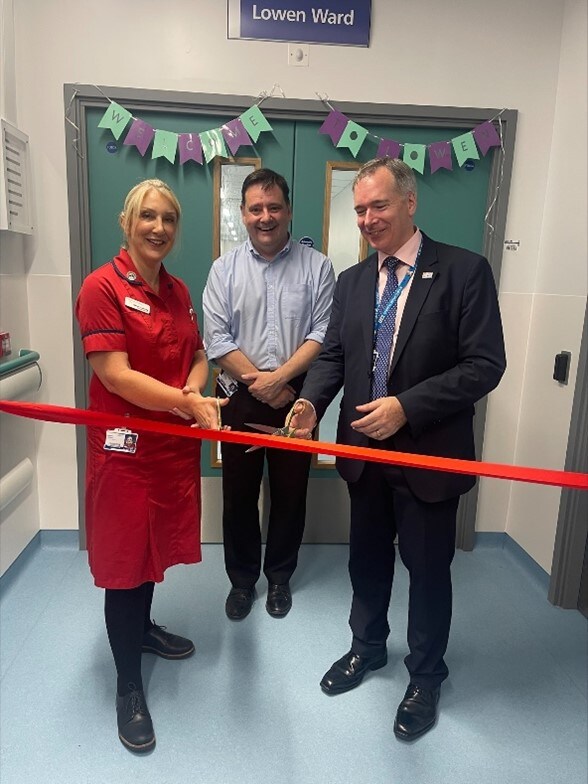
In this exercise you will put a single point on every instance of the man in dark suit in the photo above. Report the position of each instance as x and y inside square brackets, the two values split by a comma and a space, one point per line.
[414, 340]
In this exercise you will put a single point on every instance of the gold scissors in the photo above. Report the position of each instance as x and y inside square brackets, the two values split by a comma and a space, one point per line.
[286, 432]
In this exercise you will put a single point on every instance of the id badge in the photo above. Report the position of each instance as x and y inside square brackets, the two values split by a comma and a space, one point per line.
[227, 383]
[121, 440]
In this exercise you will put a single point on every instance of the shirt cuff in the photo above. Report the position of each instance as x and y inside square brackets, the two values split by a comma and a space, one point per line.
[219, 348]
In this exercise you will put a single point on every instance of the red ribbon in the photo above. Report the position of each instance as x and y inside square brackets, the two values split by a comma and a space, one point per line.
[76, 416]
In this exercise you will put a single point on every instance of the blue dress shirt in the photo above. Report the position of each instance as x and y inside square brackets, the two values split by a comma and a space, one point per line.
[267, 309]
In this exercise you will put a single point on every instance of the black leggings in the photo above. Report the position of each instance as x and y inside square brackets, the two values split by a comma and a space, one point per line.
[128, 617]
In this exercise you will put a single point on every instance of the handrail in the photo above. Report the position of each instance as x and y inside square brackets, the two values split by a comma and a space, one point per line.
[10, 364]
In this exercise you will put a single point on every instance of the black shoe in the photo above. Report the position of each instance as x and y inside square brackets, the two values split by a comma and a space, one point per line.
[279, 600]
[416, 713]
[168, 646]
[348, 672]
[239, 603]
[135, 728]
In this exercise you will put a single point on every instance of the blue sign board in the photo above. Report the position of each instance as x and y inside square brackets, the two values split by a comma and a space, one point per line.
[344, 22]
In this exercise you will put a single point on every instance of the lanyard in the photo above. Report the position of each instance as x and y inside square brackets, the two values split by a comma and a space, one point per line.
[379, 319]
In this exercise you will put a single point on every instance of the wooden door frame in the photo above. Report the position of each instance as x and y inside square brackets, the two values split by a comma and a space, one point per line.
[78, 98]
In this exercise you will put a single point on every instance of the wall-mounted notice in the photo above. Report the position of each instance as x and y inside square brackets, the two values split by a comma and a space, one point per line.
[342, 22]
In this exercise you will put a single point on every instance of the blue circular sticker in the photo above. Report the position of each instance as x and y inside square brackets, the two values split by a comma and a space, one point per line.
[469, 165]
[112, 147]
[308, 241]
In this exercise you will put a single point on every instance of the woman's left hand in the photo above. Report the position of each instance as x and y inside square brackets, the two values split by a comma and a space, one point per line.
[205, 411]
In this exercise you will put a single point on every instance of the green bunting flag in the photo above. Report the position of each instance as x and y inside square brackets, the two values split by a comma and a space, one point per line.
[353, 137]
[115, 118]
[254, 122]
[465, 148]
[213, 144]
[165, 145]
[414, 155]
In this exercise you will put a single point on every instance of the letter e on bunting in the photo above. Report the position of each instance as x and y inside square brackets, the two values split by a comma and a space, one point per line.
[254, 122]
[140, 135]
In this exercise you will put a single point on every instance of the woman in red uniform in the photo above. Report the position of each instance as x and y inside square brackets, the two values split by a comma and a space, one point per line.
[141, 338]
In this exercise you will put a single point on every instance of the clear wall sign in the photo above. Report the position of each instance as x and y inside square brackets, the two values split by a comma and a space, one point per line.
[342, 22]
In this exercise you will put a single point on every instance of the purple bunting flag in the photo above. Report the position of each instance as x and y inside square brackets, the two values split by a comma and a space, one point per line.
[334, 126]
[141, 135]
[486, 136]
[440, 156]
[190, 148]
[235, 135]
[388, 148]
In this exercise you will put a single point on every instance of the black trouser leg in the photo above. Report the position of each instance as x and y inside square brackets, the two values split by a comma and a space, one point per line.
[426, 543]
[242, 475]
[124, 612]
[288, 483]
[381, 506]
[371, 560]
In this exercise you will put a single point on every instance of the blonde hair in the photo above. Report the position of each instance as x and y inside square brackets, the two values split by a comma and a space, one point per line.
[134, 201]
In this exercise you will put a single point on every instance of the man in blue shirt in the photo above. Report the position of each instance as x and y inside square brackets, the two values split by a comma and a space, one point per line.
[266, 309]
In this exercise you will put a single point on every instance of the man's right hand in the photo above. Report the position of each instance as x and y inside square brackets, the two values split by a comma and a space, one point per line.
[304, 419]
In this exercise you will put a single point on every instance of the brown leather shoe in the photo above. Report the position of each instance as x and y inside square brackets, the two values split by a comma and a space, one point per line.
[349, 670]
[416, 713]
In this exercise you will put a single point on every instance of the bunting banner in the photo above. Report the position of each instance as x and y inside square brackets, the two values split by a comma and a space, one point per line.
[77, 416]
[201, 148]
[246, 129]
[467, 147]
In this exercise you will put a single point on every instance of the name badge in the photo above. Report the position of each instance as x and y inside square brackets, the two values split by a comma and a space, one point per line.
[227, 383]
[135, 304]
[121, 440]
[427, 275]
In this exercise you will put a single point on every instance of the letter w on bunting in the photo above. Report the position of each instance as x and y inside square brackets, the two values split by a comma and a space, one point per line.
[384, 320]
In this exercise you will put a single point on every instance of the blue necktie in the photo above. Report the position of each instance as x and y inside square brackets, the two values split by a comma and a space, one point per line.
[385, 333]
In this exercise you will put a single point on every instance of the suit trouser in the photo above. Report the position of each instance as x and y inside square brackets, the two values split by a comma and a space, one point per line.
[242, 476]
[382, 506]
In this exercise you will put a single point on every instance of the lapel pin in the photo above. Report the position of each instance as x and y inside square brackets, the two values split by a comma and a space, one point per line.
[427, 275]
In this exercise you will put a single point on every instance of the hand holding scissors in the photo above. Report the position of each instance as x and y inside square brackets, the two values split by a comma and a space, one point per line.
[286, 431]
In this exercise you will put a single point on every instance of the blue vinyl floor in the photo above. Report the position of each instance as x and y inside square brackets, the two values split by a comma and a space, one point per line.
[247, 708]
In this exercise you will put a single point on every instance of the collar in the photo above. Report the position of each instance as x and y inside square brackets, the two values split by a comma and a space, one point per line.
[407, 253]
[124, 267]
[284, 252]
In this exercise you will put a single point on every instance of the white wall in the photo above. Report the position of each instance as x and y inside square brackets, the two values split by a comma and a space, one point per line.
[543, 302]
[506, 53]
[19, 520]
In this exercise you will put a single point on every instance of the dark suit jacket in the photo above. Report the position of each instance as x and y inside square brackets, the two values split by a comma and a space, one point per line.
[449, 354]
